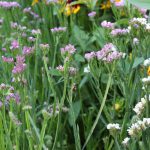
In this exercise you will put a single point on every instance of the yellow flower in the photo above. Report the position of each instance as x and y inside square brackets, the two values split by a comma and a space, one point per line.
[71, 9]
[117, 106]
[76, 9]
[148, 71]
[34, 2]
[106, 5]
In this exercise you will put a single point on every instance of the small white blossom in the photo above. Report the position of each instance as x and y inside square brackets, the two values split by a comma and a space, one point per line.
[125, 141]
[147, 62]
[113, 126]
[146, 80]
[87, 69]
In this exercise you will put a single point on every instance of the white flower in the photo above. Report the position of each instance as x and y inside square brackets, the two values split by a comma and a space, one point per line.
[87, 69]
[147, 62]
[147, 97]
[125, 141]
[147, 26]
[146, 80]
[113, 126]
[138, 127]
[141, 21]
[139, 107]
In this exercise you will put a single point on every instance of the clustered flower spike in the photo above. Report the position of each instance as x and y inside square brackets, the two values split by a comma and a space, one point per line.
[147, 62]
[8, 5]
[58, 29]
[126, 141]
[14, 45]
[117, 32]
[138, 127]
[139, 107]
[27, 50]
[109, 53]
[72, 70]
[70, 49]
[146, 80]
[7, 59]
[90, 56]
[19, 65]
[10, 93]
[140, 22]
[113, 126]
[107, 25]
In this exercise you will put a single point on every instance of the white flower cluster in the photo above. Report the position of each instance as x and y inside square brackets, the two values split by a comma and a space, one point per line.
[141, 21]
[113, 126]
[147, 27]
[138, 127]
[139, 107]
[146, 62]
[126, 141]
[146, 80]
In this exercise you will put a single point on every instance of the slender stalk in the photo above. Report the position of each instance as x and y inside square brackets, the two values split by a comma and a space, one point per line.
[99, 112]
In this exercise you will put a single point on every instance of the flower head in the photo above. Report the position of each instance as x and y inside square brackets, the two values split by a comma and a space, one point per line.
[70, 49]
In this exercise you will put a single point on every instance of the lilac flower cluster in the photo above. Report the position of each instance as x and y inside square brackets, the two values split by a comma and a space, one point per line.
[27, 50]
[19, 65]
[70, 49]
[72, 70]
[29, 11]
[36, 31]
[108, 25]
[90, 55]
[31, 39]
[92, 14]
[58, 29]
[10, 93]
[14, 96]
[7, 59]
[108, 53]
[14, 45]
[143, 11]
[117, 32]
[7, 5]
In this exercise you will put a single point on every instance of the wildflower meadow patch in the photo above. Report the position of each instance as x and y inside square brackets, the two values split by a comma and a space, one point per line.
[75, 75]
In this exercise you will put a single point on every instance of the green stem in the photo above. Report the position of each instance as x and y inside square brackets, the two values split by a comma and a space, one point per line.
[99, 112]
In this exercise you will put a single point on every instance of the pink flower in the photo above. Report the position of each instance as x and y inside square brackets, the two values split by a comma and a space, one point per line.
[90, 55]
[19, 65]
[107, 25]
[28, 50]
[92, 14]
[7, 59]
[109, 53]
[118, 3]
[68, 49]
[117, 32]
[14, 45]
